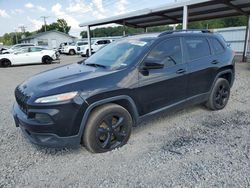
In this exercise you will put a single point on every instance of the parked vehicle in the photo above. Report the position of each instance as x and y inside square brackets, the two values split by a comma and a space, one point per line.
[72, 48]
[2, 49]
[29, 55]
[95, 46]
[97, 102]
[16, 47]
[63, 45]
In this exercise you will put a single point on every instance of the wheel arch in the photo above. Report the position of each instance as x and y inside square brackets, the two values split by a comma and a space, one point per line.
[125, 101]
[226, 73]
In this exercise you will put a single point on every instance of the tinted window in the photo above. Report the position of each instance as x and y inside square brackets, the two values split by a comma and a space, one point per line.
[197, 47]
[217, 46]
[167, 52]
[81, 43]
[35, 49]
[103, 42]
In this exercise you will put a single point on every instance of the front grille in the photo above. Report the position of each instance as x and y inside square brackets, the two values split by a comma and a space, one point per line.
[21, 99]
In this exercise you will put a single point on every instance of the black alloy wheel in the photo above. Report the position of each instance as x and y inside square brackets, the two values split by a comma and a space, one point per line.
[220, 94]
[109, 127]
[111, 132]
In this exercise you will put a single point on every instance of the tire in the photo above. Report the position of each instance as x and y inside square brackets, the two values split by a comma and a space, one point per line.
[219, 96]
[5, 63]
[47, 60]
[108, 127]
[72, 52]
[87, 53]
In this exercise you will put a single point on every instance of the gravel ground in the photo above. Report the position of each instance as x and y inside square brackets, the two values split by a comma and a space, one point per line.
[193, 147]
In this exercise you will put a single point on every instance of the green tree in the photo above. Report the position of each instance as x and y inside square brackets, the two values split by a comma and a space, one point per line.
[60, 25]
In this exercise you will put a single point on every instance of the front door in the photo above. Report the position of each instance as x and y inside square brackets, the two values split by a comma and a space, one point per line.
[159, 88]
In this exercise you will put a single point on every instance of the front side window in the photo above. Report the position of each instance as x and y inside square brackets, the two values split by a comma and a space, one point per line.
[197, 47]
[167, 52]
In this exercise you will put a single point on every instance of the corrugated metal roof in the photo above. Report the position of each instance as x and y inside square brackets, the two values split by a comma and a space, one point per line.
[173, 13]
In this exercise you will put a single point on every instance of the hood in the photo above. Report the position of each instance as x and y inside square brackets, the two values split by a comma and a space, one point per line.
[56, 79]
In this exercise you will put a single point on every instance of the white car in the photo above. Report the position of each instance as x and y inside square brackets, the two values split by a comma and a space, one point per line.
[29, 55]
[16, 47]
[95, 46]
[72, 48]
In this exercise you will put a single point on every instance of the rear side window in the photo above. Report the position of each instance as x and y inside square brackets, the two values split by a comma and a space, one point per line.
[103, 42]
[217, 46]
[197, 47]
[167, 52]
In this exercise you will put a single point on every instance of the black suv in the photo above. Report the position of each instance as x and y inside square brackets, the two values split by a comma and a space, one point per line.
[97, 101]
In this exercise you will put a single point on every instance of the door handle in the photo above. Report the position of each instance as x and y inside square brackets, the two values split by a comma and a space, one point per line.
[215, 62]
[180, 71]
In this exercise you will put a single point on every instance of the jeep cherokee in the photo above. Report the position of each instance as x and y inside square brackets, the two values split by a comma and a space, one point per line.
[97, 101]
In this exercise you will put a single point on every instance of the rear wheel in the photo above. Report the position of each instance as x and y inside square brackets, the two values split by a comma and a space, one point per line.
[109, 127]
[72, 52]
[46, 60]
[219, 96]
[5, 63]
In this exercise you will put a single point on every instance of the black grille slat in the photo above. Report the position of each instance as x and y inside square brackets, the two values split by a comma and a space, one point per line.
[21, 99]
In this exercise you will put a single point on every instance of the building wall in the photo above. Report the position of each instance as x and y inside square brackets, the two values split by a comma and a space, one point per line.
[234, 36]
[50, 40]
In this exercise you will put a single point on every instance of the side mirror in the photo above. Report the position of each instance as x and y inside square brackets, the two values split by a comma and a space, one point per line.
[152, 65]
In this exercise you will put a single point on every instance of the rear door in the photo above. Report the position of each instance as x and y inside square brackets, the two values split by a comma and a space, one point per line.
[200, 65]
[36, 54]
[166, 86]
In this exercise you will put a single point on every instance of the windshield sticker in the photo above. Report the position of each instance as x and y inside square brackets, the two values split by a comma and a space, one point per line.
[138, 43]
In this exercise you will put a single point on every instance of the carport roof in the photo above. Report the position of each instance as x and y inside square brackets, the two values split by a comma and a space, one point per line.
[173, 13]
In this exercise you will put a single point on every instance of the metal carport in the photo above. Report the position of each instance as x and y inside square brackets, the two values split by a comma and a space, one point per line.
[181, 12]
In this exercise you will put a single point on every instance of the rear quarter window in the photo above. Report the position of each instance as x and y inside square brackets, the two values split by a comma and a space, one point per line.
[197, 47]
[217, 46]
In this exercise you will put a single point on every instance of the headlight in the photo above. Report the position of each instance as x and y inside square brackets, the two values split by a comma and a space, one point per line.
[57, 98]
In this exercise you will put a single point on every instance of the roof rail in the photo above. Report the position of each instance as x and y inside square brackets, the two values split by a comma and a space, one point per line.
[185, 31]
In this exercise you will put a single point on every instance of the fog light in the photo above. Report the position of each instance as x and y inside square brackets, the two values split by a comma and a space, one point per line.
[43, 118]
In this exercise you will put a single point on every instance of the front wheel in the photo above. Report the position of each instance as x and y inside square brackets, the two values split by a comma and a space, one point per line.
[219, 96]
[47, 60]
[109, 127]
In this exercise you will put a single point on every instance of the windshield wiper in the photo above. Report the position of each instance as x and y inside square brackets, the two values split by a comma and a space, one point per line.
[95, 65]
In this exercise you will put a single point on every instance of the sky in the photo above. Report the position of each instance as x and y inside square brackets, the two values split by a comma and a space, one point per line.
[27, 13]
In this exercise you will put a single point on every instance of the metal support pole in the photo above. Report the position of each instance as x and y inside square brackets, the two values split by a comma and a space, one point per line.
[124, 32]
[174, 27]
[185, 17]
[89, 40]
[246, 43]
[145, 29]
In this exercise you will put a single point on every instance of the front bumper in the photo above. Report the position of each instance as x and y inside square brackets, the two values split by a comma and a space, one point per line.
[57, 133]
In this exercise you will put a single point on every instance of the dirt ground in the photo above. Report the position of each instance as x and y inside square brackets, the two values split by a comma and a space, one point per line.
[193, 147]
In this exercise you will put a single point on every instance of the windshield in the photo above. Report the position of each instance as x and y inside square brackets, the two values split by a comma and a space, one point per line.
[15, 47]
[119, 54]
